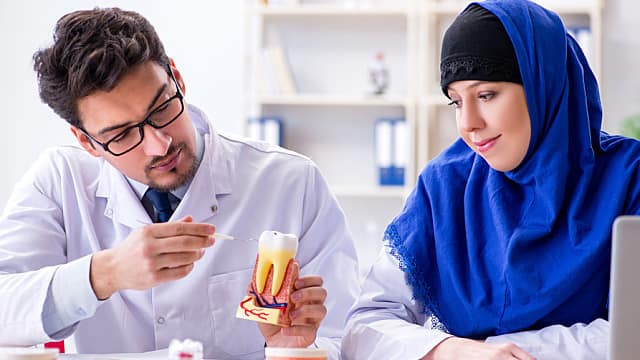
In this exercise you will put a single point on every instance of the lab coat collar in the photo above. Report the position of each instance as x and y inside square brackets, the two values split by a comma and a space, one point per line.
[123, 204]
[212, 178]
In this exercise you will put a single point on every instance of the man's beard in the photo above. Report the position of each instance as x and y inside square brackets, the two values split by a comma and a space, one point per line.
[182, 179]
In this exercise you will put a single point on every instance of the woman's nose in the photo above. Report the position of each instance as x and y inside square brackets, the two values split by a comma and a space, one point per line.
[469, 118]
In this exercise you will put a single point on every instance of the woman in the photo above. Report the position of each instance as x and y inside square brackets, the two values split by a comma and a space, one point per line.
[504, 244]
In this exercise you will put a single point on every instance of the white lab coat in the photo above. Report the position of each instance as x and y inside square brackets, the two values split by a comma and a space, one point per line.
[386, 323]
[70, 205]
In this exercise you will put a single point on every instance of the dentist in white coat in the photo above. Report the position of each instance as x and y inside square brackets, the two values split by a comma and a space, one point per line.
[111, 243]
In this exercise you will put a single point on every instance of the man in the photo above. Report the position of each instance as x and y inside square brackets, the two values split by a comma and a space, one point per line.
[113, 244]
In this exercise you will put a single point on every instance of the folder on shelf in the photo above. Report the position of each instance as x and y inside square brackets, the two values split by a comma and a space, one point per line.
[266, 128]
[265, 77]
[274, 73]
[391, 150]
[582, 34]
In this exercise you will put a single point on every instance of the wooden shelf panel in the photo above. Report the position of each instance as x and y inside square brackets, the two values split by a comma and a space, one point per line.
[333, 100]
[562, 8]
[328, 10]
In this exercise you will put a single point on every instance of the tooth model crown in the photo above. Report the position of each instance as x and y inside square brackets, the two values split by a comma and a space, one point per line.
[274, 249]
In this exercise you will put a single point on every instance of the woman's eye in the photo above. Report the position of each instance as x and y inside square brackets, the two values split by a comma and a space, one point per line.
[486, 96]
[454, 103]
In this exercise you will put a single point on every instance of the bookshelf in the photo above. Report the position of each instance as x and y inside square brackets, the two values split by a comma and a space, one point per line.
[330, 117]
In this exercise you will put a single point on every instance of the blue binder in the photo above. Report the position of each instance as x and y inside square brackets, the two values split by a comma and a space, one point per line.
[266, 128]
[391, 150]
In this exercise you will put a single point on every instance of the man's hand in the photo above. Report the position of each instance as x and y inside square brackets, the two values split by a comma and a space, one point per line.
[307, 312]
[459, 348]
[149, 256]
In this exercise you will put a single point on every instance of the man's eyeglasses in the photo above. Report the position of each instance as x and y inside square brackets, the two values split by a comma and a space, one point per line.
[163, 115]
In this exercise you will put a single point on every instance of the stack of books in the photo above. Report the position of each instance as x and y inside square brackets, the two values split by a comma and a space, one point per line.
[273, 72]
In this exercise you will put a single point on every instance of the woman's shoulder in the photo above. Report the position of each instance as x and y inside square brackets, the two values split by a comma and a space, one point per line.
[619, 148]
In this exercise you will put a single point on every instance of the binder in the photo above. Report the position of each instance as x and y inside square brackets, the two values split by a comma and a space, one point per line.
[266, 128]
[273, 72]
[582, 35]
[391, 150]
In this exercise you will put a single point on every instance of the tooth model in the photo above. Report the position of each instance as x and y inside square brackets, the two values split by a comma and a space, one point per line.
[274, 274]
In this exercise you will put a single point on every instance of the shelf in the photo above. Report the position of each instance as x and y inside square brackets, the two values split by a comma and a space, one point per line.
[434, 100]
[381, 192]
[328, 10]
[579, 7]
[333, 100]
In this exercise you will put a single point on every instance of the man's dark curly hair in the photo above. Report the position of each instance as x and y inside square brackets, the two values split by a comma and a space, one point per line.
[91, 51]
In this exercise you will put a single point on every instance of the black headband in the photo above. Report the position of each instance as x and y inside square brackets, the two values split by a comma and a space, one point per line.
[477, 47]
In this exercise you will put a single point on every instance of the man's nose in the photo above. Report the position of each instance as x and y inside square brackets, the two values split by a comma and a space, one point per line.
[156, 142]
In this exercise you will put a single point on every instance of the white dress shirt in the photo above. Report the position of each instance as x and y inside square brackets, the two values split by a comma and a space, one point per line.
[70, 205]
[387, 323]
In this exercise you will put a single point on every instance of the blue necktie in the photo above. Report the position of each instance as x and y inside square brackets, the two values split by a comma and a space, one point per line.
[161, 203]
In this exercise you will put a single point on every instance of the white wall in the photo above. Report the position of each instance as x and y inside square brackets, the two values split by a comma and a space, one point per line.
[621, 55]
[204, 37]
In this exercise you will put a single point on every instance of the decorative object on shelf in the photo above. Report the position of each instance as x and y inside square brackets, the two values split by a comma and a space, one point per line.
[391, 156]
[379, 75]
[631, 126]
[266, 128]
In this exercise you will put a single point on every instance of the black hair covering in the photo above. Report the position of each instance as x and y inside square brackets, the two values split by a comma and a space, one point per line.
[477, 47]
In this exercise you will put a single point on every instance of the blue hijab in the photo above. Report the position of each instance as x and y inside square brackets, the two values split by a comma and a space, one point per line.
[491, 252]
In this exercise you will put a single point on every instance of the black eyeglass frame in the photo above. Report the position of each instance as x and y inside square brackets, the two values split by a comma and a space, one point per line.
[146, 121]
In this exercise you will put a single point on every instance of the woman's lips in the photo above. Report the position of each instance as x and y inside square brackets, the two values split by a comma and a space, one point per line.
[485, 145]
[168, 164]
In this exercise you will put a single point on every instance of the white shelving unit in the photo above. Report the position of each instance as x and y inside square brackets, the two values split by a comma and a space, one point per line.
[329, 45]
[330, 118]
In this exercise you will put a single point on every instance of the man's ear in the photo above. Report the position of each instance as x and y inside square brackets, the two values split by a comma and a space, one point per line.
[84, 141]
[178, 76]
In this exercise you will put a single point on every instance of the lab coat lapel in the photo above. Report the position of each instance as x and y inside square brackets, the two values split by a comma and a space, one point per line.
[212, 179]
[123, 205]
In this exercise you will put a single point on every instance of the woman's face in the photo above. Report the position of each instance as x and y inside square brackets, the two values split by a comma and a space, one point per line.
[493, 120]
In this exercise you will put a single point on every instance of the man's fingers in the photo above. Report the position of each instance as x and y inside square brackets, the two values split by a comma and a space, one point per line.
[177, 259]
[182, 243]
[169, 274]
[309, 295]
[308, 314]
[170, 229]
[308, 281]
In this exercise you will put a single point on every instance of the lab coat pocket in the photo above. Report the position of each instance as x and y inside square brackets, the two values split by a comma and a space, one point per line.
[232, 335]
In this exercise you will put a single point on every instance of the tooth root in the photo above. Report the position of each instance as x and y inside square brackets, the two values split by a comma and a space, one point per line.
[279, 268]
[262, 271]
